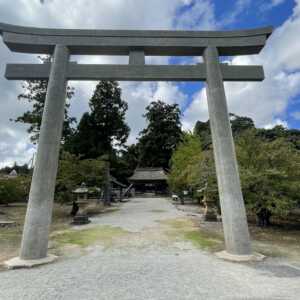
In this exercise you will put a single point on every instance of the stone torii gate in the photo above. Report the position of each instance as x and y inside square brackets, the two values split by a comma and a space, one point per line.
[135, 44]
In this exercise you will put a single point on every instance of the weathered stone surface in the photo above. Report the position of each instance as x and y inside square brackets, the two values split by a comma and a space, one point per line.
[134, 72]
[17, 262]
[240, 258]
[137, 57]
[39, 211]
[235, 226]
[121, 42]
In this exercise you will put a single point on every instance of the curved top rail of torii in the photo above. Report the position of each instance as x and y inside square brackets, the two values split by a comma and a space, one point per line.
[121, 42]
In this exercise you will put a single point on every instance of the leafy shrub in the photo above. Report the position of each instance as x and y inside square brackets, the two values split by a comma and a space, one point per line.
[14, 189]
[72, 172]
[270, 173]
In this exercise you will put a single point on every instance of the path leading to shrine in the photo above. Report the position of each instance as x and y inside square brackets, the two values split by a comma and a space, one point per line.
[148, 250]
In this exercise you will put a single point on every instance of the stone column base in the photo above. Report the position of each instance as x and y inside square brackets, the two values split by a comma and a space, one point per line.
[240, 258]
[17, 262]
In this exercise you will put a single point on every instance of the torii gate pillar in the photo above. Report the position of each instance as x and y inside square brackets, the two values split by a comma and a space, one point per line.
[234, 218]
[39, 212]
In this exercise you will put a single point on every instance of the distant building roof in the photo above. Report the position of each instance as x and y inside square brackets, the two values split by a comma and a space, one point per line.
[149, 174]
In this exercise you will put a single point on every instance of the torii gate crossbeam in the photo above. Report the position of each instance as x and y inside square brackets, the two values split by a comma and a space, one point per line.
[136, 44]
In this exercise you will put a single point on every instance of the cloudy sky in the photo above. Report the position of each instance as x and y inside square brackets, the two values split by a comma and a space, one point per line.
[274, 101]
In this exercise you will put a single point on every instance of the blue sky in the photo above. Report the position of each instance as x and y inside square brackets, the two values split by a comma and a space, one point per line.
[257, 13]
[274, 101]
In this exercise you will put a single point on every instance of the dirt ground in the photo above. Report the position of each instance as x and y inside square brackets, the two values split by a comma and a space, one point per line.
[279, 240]
[149, 249]
[10, 237]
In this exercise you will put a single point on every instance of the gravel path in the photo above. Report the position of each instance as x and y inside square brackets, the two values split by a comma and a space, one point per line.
[156, 271]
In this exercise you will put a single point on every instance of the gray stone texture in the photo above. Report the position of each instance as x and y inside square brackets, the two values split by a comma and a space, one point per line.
[121, 42]
[137, 57]
[234, 219]
[39, 211]
[17, 262]
[134, 72]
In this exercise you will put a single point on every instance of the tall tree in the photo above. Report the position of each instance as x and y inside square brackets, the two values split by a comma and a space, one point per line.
[202, 130]
[238, 126]
[35, 93]
[126, 162]
[160, 138]
[104, 129]
[192, 168]
[187, 154]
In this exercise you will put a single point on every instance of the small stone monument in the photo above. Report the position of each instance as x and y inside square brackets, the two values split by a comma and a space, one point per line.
[81, 219]
[82, 196]
[82, 192]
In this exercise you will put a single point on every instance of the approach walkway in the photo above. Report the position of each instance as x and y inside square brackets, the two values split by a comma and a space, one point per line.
[149, 258]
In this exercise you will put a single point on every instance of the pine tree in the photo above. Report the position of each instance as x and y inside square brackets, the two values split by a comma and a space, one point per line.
[160, 138]
[104, 128]
[35, 93]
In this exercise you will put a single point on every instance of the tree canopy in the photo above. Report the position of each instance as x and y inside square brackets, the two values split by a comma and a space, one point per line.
[187, 154]
[269, 164]
[161, 136]
[270, 173]
[103, 129]
[34, 91]
[73, 171]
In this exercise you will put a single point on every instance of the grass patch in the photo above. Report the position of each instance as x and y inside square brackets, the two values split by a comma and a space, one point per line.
[199, 240]
[188, 230]
[157, 210]
[85, 237]
[277, 241]
[10, 238]
[269, 251]
[179, 224]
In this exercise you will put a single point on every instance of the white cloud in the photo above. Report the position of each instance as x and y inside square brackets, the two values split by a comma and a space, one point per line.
[276, 123]
[197, 110]
[296, 115]
[199, 15]
[271, 4]
[265, 101]
[139, 95]
[21, 150]
[105, 14]
[239, 7]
